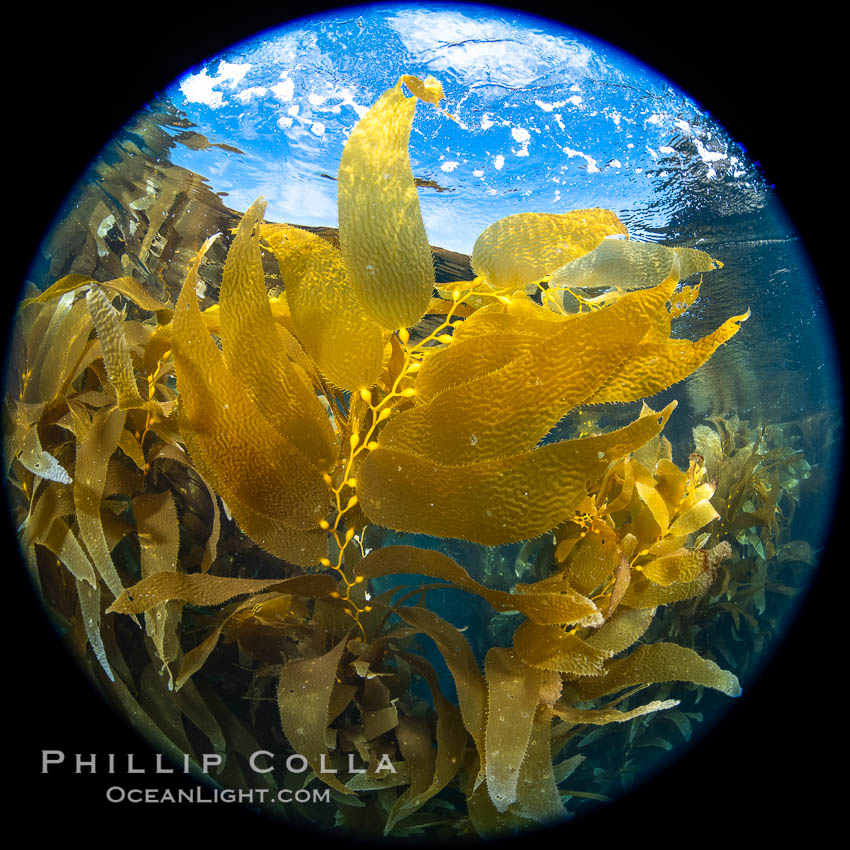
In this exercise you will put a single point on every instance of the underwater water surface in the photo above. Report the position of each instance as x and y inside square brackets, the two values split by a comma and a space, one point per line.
[542, 121]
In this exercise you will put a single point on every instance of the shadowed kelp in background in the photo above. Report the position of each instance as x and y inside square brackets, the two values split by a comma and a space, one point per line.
[220, 478]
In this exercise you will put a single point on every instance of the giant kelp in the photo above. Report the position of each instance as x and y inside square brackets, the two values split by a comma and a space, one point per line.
[358, 397]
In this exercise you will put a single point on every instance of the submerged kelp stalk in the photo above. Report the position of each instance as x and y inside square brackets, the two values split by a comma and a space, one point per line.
[325, 412]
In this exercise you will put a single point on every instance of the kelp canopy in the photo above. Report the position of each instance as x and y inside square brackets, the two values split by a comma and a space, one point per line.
[221, 476]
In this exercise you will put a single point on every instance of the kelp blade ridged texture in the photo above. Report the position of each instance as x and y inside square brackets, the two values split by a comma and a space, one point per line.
[345, 343]
[503, 411]
[314, 423]
[626, 264]
[256, 357]
[496, 501]
[525, 247]
[381, 233]
[250, 464]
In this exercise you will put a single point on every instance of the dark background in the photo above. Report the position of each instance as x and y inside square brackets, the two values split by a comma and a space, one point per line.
[79, 71]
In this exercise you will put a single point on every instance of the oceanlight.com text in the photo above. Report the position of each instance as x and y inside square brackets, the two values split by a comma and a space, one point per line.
[256, 796]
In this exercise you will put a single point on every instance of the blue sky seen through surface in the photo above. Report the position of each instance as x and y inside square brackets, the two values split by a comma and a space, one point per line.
[548, 119]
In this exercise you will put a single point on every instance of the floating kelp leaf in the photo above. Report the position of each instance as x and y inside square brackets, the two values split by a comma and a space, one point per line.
[525, 247]
[565, 606]
[488, 821]
[304, 548]
[206, 590]
[96, 442]
[126, 286]
[627, 264]
[59, 351]
[116, 352]
[451, 741]
[303, 697]
[591, 562]
[469, 683]
[345, 343]
[682, 566]
[658, 662]
[40, 462]
[62, 542]
[381, 234]
[469, 359]
[622, 579]
[494, 502]
[658, 365]
[499, 318]
[624, 628]
[130, 446]
[505, 411]
[693, 519]
[670, 483]
[89, 597]
[655, 504]
[708, 444]
[175, 453]
[414, 741]
[551, 648]
[159, 542]
[683, 299]
[601, 716]
[642, 593]
[66, 284]
[255, 355]
[195, 658]
[236, 450]
[537, 796]
[512, 696]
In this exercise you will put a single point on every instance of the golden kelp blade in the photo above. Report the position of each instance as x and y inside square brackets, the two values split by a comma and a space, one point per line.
[627, 264]
[126, 286]
[551, 648]
[537, 796]
[381, 233]
[658, 365]
[255, 354]
[451, 742]
[658, 662]
[54, 356]
[510, 409]
[231, 444]
[345, 343]
[497, 501]
[116, 351]
[207, 590]
[468, 359]
[601, 716]
[525, 247]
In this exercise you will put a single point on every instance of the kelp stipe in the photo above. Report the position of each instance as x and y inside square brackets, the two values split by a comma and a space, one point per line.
[363, 398]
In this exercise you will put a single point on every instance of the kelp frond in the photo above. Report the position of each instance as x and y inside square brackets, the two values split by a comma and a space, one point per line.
[316, 416]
